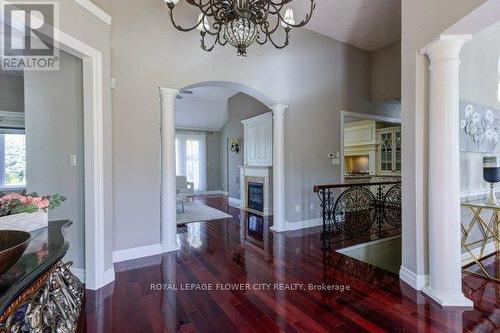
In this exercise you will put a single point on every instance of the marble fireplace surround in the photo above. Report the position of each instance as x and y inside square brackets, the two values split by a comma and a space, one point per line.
[261, 175]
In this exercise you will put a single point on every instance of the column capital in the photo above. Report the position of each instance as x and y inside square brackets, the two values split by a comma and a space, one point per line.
[168, 92]
[445, 48]
[279, 109]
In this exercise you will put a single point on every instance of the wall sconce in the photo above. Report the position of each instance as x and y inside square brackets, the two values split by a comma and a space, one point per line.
[235, 145]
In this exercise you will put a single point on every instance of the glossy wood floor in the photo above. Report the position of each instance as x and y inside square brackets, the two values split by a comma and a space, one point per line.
[223, 252]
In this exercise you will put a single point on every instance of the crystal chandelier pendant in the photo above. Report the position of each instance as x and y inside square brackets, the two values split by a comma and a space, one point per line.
[241, 33]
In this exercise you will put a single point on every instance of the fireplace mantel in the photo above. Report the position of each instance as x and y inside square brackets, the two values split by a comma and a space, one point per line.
[257, 174]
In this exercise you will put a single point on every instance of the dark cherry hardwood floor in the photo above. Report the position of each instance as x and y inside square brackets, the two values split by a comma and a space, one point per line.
[223, 252]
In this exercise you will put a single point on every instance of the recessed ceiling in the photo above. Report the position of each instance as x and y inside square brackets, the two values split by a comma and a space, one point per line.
[366, 24]
[205, 108]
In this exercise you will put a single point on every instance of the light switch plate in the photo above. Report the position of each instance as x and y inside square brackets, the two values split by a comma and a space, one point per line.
[72, 160]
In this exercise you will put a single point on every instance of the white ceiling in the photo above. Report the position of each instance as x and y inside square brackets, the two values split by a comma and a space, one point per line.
[205, 109]
[367, 24]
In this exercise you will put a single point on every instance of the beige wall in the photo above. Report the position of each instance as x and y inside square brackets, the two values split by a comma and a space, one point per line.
[422, 22]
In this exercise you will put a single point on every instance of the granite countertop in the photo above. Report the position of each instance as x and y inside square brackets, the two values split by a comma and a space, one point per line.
[46, 248]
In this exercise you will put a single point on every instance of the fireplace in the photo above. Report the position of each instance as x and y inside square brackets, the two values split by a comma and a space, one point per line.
[255, 196]
[256, 188]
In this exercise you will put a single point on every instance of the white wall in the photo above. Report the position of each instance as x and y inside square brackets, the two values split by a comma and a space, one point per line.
[54, 131]
[422, 22]
[200, 113]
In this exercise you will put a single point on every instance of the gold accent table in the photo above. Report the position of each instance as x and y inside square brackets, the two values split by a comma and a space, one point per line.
[486, 221]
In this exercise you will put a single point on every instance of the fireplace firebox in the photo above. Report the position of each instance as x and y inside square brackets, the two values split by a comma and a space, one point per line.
[255, 196]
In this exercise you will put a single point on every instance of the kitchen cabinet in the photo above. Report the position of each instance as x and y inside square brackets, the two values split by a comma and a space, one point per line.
[258, 140]
[360, 133]
[389, 151]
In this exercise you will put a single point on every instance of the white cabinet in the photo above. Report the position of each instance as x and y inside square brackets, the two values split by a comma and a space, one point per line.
[389, 151]
[258, 140]
[360, 133]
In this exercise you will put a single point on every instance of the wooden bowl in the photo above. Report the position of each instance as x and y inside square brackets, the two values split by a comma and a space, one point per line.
[12, 246]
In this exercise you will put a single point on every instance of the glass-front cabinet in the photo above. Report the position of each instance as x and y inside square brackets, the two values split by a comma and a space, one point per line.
[389, 151]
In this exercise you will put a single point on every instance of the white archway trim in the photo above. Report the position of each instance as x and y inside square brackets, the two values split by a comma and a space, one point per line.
[168, 172]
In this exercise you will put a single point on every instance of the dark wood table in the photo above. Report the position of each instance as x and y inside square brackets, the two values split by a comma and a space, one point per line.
[39, 293]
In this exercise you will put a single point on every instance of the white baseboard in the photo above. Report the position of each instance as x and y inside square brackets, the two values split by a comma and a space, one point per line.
[234, 201]
[488, 249]
[415, 281]
[79, 273]
[299, 225]
[137, 252]
[109, 276]
[210, 193]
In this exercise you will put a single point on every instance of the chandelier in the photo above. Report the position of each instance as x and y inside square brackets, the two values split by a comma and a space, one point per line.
[241, 23]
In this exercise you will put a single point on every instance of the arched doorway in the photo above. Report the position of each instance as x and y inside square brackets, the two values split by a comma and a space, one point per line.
[168, 165]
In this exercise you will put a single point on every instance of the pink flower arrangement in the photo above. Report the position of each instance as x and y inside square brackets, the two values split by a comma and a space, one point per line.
[15, 203]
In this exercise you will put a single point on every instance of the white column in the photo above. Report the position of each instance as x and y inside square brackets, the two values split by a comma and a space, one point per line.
[279, 223]
[445, 273]
[168, 192]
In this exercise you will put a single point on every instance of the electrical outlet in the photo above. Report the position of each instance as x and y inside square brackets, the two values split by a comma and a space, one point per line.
[72, 160]
[297, 208]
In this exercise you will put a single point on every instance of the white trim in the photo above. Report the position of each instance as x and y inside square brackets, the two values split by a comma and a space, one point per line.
[417, 282]
[299, 225]
[234, 201]
[359, 246]
[79, 273]
[137, 252]
[217, 192]
[344, 114]
[91, 7]
[96, 277]
[108, 276]
[488, 249]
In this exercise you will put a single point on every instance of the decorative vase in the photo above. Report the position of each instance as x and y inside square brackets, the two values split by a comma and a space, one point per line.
[25, 221]
[491, 174]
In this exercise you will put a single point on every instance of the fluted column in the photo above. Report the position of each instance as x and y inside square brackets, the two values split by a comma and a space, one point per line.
[279, 223]
[445, 271]
[168, 188]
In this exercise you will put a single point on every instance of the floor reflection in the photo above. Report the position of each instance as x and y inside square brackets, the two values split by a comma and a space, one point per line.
[156, 294]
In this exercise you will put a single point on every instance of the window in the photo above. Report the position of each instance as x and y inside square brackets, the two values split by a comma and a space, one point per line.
[12, 159]
[190, 154]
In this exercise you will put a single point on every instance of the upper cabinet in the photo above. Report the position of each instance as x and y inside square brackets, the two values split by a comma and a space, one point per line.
[360, 133]
[258, 140]
[389, 151]
[386, 74]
